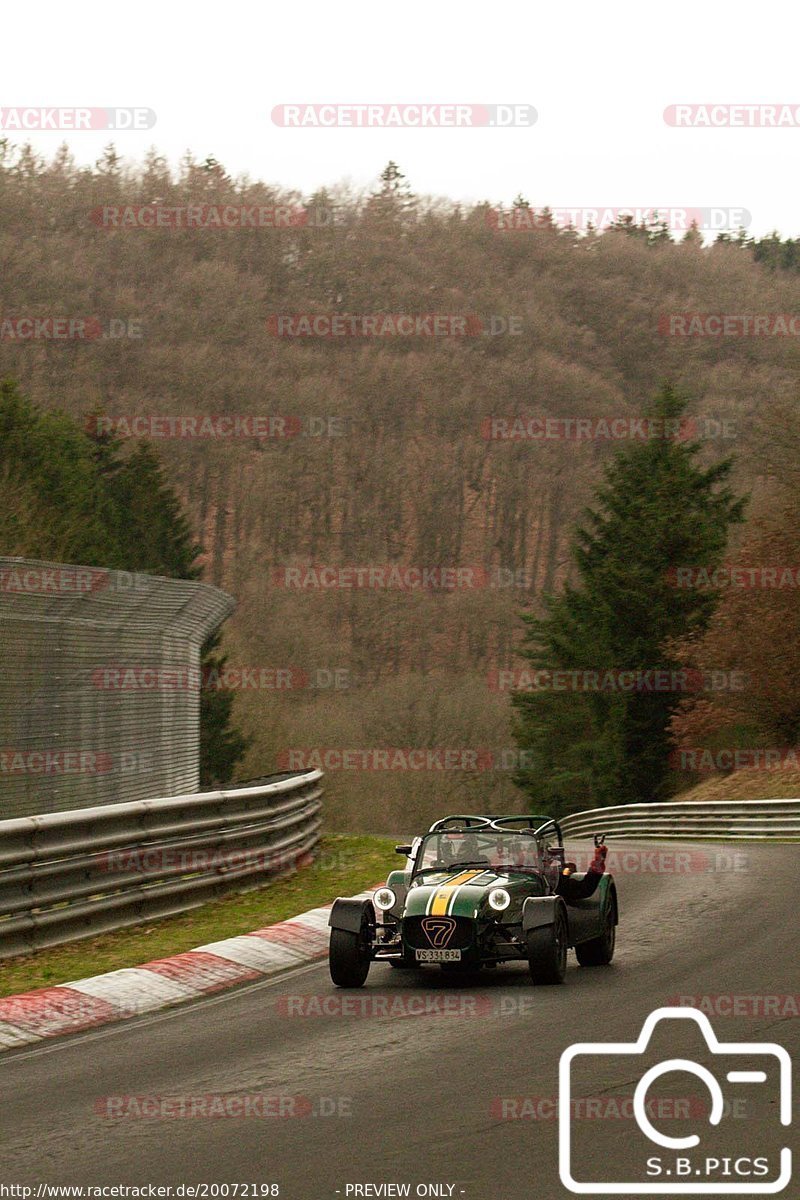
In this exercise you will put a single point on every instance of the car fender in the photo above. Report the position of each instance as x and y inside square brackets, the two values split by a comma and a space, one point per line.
[541, 910]
[351, 915]
[398, 882]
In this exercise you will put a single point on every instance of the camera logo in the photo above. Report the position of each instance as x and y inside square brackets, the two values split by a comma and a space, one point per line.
[684, 1166]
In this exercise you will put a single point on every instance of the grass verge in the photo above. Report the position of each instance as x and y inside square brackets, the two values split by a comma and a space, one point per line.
[345, 864]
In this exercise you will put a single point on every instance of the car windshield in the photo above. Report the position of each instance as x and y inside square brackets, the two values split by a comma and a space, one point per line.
[475, 848]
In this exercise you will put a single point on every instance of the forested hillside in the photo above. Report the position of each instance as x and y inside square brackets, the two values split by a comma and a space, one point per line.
[388, 458]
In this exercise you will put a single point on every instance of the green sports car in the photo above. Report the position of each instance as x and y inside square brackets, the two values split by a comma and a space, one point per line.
[477, 891]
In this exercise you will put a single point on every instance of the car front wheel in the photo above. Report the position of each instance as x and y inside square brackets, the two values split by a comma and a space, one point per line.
[547, 951]
[348, 958]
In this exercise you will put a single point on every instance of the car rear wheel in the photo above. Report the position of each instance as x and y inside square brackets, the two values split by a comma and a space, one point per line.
[547, 951]
[600, 950]
[348, 958]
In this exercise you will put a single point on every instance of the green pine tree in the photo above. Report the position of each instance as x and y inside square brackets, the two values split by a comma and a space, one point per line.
[221, 744]
[155, 537]
[151, 525]
[394, 201]
[75, 496]
[656, 509]
[47, 455]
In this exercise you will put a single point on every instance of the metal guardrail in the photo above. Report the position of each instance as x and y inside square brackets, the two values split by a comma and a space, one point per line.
[74, 874]
[738, 820]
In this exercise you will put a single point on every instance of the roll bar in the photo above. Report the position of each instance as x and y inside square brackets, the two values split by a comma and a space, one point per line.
[522, 823]
[462, 822]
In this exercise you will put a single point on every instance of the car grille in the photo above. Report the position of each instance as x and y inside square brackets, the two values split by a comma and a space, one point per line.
[461, 938]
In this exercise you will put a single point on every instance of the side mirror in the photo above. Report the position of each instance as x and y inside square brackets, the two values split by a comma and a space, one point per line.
[403, 850]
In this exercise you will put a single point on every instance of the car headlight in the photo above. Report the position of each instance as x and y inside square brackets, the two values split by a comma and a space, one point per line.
[499, 899]
[384, 899]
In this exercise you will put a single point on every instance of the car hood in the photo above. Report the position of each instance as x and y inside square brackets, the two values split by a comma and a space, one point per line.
[453, 894]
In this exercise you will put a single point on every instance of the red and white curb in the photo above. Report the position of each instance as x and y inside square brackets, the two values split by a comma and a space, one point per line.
[86, 1003]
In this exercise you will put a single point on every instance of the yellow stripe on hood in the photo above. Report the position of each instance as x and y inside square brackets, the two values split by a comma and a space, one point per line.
[446, 892]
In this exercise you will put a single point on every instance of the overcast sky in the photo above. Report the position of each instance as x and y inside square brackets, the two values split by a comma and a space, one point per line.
[599, 76]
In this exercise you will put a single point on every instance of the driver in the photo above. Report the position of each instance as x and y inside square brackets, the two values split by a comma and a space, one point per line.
[466, 850]
[510, 853]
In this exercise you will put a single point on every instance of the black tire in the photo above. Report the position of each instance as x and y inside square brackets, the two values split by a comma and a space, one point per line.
[547, 950]
[600, 950]
[348, 959]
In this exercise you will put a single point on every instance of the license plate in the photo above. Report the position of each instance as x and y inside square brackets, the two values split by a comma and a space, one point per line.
[438, 955]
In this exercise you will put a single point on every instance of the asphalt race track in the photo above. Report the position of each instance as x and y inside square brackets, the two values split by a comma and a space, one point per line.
[431, 1098]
